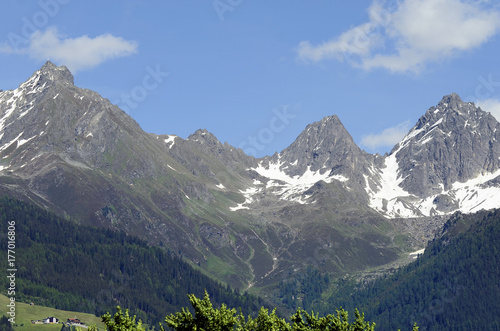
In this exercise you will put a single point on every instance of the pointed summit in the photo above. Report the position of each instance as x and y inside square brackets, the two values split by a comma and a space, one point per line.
[323, 146]
[453, 142]
[55, 73]
[49, 73]
[202, 136]
[326, 134]
[451, 100]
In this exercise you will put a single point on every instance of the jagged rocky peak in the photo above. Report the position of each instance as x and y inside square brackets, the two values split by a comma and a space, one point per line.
[448, 105]
[324, 145]
[202, 136]
[450, 101]
[207, 143]
[454, 141]
[55, 73]
[48, 74]
[319, 137]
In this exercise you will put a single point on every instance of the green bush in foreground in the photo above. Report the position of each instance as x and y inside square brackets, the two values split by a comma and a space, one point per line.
[208, 318]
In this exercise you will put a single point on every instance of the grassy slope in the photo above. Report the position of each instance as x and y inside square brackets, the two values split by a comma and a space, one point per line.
[26, 313]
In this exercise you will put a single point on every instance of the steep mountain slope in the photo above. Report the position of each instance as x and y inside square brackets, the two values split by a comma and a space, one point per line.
[311, 196]
[87, 269]
[70, 150]
[321, 202]
[449, 161]
[323, 152]
[454, 285]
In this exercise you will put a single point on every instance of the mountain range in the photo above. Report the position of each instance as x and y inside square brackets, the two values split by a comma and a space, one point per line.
[250, 222]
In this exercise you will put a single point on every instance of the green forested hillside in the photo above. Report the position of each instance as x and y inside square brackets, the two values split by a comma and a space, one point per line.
[455, 285]
[66, 266]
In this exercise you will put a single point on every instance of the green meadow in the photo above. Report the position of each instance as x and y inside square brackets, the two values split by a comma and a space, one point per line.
[25, 313]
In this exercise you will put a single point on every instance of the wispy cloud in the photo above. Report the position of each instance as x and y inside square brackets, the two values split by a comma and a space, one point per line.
[5, 48]
[409, 36]
[76, 53]
[490, 105]
[387, 138]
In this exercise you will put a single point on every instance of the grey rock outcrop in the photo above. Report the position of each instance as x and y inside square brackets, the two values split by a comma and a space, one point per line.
[453, 142]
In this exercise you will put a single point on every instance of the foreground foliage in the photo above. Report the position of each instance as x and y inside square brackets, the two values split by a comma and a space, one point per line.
[5, 325]
[208, 318]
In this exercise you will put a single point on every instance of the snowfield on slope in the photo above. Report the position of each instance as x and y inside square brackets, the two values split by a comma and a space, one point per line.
[393, 201]
[284, 186]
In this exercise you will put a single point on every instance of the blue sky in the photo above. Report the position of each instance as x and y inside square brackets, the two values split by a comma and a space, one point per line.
[255, 73]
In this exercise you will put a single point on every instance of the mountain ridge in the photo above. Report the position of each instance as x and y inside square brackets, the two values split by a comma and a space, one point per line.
[435, 170]
[72, 151]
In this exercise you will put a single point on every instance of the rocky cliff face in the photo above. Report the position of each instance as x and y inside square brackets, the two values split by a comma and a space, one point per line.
[453, 142]
[322, 201]
[445, 163]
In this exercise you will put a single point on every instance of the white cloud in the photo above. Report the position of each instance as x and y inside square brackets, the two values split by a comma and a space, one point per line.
[490, 105]
[387, 138]
[407, 38]
[76, 53]
[357, 41]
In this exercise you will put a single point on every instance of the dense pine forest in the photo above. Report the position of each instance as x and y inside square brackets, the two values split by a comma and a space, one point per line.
[71, 267]
[455, 285]
[303, 290]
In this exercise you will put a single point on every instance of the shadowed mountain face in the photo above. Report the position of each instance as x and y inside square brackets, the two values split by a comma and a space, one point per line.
[250, 222]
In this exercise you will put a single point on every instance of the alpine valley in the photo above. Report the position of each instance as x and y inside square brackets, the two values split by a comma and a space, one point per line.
[250, 222]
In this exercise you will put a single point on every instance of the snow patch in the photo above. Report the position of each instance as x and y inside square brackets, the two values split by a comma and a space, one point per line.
[417, 253]
[11, 142]
[340, 178]
[13, 103]
[24, 141]
[284, 186]
[388, 189]
[248, 194]
[25, 112]
[306, 180]
[170, 141]
[393, 201]
[438, 122]
[473, 197]
[168, 165]
[425, 141]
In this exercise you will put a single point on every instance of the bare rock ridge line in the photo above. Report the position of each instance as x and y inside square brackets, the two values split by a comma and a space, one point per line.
[322, 201]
